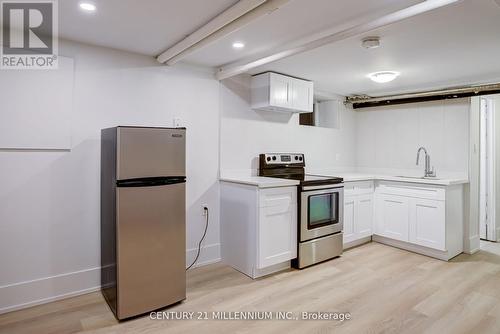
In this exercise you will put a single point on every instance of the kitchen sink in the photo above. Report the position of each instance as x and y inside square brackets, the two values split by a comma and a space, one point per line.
[419, 177]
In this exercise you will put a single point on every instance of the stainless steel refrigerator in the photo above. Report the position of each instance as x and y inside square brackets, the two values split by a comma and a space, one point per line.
[143, 233]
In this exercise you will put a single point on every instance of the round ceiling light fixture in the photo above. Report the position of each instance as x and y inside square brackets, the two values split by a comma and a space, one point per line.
[371, 42]
[87, 6]
[383, 76]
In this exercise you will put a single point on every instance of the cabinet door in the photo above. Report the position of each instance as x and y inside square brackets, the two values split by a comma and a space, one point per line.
[277, 228]
[364, 216]
[301, 95]
[279, 86]
[392, 216]
[349, 214]
[427, 223]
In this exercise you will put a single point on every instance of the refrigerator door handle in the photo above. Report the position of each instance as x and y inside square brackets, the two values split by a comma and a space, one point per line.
[150, 181]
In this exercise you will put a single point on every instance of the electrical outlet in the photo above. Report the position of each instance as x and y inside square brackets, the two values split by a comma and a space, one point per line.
[177, 122]
[203, 211]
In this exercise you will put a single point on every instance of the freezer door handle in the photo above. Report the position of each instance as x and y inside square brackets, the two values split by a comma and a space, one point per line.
[150, 181]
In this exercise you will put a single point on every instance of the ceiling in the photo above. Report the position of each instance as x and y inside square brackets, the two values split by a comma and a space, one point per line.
[296, 20]
[450, 46]
[142, 26]
[455, 45]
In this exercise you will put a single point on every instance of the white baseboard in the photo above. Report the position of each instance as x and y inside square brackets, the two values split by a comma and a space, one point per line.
[358, 242]
[472, 245]
[44, 290]
[441, 255]
[25, 294]
[209, 254]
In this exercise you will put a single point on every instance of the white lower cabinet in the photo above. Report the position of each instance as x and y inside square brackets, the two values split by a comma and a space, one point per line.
[422, 218]
[425, 219]
[364, 215]
[349, 213]
[258, 228]
[358, 211]
[277, 227]
[392, 216]
[427, 223]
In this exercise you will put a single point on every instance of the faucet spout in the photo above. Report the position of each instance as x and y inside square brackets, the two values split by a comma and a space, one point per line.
[428, 171]
[418, 153]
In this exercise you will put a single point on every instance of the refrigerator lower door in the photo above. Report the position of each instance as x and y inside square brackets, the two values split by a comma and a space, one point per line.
[151, 248]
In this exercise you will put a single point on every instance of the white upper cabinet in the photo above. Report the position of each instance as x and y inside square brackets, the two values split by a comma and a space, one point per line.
[278, 92]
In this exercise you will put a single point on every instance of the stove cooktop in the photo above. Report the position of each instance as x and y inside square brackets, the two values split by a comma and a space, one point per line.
[291, 166]
[310, 180]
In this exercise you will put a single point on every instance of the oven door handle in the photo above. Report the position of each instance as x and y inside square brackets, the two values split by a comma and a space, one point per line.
[330, 190]
[328, 187]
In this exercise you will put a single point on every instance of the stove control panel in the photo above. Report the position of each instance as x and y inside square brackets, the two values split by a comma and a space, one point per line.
[282, 159]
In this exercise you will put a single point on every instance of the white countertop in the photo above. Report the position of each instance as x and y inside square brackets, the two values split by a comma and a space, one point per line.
[350, 177]
[271, 182]
[259, 181]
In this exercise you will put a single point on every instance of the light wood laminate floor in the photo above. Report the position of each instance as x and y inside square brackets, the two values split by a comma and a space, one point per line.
[386, 290]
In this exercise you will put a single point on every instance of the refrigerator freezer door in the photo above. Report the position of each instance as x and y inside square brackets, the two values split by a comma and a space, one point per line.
[149, 152]
[151, 248]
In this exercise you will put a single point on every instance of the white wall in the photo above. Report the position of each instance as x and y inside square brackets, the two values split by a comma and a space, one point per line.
[49, 200]
[388, 137]
[246, 133]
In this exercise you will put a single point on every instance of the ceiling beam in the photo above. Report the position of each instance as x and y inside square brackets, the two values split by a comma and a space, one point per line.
[227, 16]
[433, 95]
[232, 19]
[428, 5]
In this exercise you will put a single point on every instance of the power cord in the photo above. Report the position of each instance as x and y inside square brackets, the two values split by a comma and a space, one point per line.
[201, 240]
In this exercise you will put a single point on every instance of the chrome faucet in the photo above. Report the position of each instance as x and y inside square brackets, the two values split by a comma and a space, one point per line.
[428, 171]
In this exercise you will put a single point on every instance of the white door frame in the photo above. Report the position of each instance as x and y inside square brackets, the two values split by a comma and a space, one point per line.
[487, 222]
[471, 231]
[471, 235]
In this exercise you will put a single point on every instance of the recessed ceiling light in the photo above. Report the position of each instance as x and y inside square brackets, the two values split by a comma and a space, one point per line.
[87, 6]
[383, 76]
[238, 45]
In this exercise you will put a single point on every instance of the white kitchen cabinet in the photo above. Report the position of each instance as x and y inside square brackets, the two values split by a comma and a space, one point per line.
[393, 216]
[278, 92]
[358, 212]
[301, 95]
[364, 218]
[258, 228]
[277, 226]
[426, 219]
[349, 214]
[427, 223]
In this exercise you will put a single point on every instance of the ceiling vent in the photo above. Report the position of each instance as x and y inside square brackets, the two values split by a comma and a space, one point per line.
[372, 42]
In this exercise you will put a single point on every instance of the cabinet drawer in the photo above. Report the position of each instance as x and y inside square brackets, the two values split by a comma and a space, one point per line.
[411, 190]
[358, 188]
[278, 197]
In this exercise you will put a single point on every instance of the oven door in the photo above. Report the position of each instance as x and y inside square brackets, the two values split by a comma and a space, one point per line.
[321, 212]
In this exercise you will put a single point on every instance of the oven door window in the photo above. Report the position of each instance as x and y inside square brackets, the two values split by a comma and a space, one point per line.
[323, 209]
